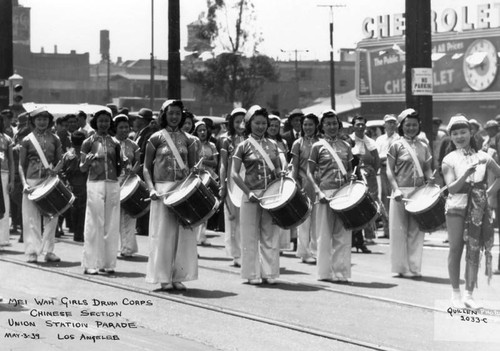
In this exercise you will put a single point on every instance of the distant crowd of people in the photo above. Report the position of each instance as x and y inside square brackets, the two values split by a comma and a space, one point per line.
[252, 150]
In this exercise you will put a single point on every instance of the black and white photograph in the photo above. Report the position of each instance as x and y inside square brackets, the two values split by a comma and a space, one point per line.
[248, 175]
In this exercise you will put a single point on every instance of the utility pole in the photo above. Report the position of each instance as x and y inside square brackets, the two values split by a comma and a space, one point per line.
[174, 56]
[6, 49]
[296, 51]
[418, 59]
[152, 63]
[332, 62]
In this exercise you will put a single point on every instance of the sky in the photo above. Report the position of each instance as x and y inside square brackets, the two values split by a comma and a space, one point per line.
[285, 25]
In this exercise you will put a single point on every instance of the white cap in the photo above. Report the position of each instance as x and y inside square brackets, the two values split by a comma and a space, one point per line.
[458, 119]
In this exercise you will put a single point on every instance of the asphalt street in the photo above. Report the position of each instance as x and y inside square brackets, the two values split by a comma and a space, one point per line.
[55, 307]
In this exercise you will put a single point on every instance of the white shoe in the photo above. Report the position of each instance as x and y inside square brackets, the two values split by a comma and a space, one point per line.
[470, 303]
[256, 281]
[310, 260]
[166, 286]
[270, 281]
[179, 286]
[51, 257]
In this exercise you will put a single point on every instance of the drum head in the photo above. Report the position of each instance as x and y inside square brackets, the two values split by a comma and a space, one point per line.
[183, 191]
[422, 198]
[278, 193]
[234, 192]
[43, 188]
[348, 196]
[129, 187]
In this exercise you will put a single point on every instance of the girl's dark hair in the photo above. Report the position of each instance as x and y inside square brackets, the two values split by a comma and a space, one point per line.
[358, 118]
[42, 114]
[329, 115]
[451, 146]
[278, 136]
[248, 124]
[313, 118]
[2, 126]
[230, 123]
[77, 138]
[162, 118]
[93, 121]
[185, 115]
[400, 127]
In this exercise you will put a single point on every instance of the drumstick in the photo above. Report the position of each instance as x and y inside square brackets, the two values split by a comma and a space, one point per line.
[403, 198]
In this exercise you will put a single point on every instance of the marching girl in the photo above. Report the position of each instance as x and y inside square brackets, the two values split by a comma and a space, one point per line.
[259, 239]
[301, 149]
[170, 154]
[208, 152]
[232, 237]
[331, 158]
[408, 167]
[130, 154]
[468, 217]
[273, 132]
[40, 152]
[7, 174]
[101, 157]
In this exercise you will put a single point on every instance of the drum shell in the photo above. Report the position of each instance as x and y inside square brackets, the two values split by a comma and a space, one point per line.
[210, 183]
[195, 207]
[136, 203]
[360, 214]
[55, 201]
[431, 218]
[294, 211]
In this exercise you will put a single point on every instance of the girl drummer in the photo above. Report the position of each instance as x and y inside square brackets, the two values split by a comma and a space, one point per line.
[207, 152]
[131, 164]
[468, 217]
[40, 152]
[234, 137]
[170, 154]
[301, 149]
[331, 159]
[259, 239]
[7, 174]
[408, 167]
[273, 132]
[101, 157]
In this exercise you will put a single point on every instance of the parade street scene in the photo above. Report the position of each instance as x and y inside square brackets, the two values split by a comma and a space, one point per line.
[249, 175]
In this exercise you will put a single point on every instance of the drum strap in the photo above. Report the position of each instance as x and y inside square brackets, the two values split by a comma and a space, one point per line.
[38, 149]
[261, 151]
[335, 156]
[174, 150]
[414, 157]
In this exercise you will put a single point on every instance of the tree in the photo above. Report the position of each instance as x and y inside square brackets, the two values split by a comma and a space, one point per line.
[235, 74]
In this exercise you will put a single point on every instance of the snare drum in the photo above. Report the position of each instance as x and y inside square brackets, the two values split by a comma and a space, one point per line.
[52, 197]
[354, 205]
[134, 197]
[286, 203]
[426, 204]
[209, 182]
[192, 202]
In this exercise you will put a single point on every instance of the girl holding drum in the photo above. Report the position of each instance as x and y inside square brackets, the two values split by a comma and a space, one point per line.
[259, 239]
[301, 149]
[408, 167]
[234, 137]
[331, 159]
[131, 154]
[273, 132]
[208, 152]
[170, 154]
[7, 174]
[101, 157]
[40, 152]
[468, 217]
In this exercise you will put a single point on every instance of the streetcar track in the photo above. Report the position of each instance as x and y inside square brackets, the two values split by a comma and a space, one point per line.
[236, 313]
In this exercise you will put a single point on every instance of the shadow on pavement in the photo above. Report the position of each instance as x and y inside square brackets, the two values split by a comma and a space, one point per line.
[127, 275]
[206, 258]
[136, 258]
[435, 280]
[288, 287]
[283, 270]
[372, 285]
[202, 293]
[10, 252]
[62, 264]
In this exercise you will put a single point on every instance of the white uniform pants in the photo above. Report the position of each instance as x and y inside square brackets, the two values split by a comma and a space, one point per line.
[307, 245]
[260, 242]
[334, 244]
[128, 241]
[232, 236]
[102, 224]
[34, 241]
[406, 239]
[173, 255]
[5, 221]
